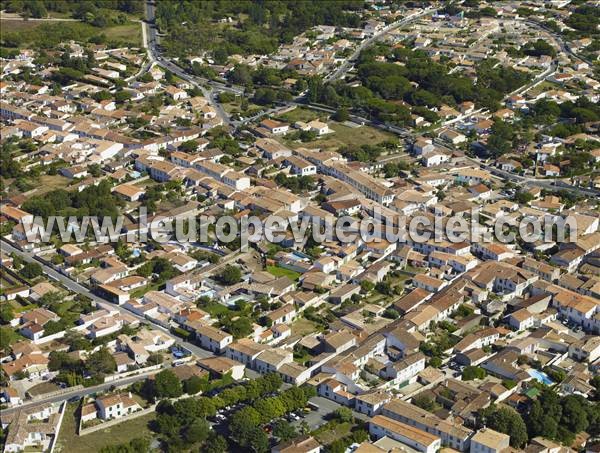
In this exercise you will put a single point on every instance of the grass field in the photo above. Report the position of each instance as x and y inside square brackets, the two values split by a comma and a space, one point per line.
[346, 136]
[70, 442]
[18, 25]
[51, 182]
[302, 326]
[281, 272]
[300, 114]
[131, 33]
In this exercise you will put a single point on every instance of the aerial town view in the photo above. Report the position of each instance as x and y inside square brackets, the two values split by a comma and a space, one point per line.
[300, 226]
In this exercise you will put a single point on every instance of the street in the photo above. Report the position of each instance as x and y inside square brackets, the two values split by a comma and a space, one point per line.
[78, 393]
[80, 289]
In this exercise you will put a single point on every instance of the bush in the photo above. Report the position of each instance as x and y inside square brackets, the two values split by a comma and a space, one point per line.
[473, 372]
[185, 334]
[31, 270]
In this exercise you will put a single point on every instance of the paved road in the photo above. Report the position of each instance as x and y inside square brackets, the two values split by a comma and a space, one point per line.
[341, 71]
[208, 90]
[78, 393]
[316, 418]
[559, 39]
[76, 287]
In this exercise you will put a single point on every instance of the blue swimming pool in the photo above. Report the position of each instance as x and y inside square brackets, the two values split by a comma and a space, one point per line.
[540, 376]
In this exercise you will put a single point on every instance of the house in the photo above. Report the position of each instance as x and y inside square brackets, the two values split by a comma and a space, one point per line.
[434, 157]
[508, 164]
[275, 127]
[302, 444]
[422, 145]
[244, 351]
[272, 149]
[586, 349]
[318, 127]
[371, 403]
[521, 319]
[271, 360]
[404, 370]
[551, 170]
[452, 136]
[452, 434]
[492, 251]
[568, 259]
[338, 342]
[33, 322]
[32, 365]
[283, 315]
[486, 440]
[422, 441]
[478, 340]
[480, 191]
[129, 192]
[116, 406]
[300, 166]
[212, 339]
[33, 428]
[221, 366]
[543, 270]
[428, 283]
[11, 396]
[177, 94]
[334, 390]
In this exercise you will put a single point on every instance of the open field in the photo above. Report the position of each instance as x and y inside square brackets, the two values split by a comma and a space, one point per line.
[302, 326]
[345, 136]
[8, 26]
[301, 114]
[48, 183]
[131, 32]
[42, 33]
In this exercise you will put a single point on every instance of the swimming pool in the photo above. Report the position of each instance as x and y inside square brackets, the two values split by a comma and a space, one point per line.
[540, 376]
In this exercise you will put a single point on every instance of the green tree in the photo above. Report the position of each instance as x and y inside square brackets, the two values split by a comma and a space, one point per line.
[197, 431]
[31, 270]
[507, 421]
[192, 385]
[284, 431]
[341, 115]
[343, 415]
[167, 385]
[216, 444]
[424, 402]
[258, 440]
[6, 314]
[230, 275]
[473, 372]
[101, 362]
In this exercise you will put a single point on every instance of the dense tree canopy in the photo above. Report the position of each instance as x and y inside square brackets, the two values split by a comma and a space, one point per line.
[191, 25]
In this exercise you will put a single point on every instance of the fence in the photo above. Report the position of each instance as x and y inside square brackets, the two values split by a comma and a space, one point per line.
[57, 392]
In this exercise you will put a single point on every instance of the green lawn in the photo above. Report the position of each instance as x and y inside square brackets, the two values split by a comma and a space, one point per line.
[70, 442]
[281, 272]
